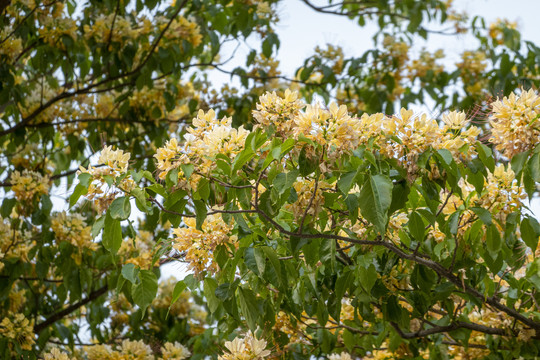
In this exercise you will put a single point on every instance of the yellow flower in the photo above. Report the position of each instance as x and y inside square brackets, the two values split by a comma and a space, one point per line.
[19, 329]
[514, 123]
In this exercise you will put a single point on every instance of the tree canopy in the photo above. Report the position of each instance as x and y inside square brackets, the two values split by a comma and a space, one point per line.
[317, 215]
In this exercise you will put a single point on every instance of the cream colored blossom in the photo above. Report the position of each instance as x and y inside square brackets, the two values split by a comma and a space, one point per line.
[56, 354]
[28, 184]
[174, 351]
[342, 356]
[207, 138]
[247, 348]
[116, 165]
[199, 245]
[515, 125]
[18, 329]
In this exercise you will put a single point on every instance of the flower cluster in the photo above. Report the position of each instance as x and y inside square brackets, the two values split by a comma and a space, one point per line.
[138, 251]
[309, 201]
[99, 190]
[28, 184]
[199, 245]
[56, 354]
[515, 125]
[205, 140]
[174, 351]
[403, 138]
[124, 29]
[10, 47]
[341, 356]
[73, 229]
[472, 67]
[133, 350]
[181, 29]
[425, 64]
[247, 348]
[53, 30]
[14, 244]
[497, 29]
[18, 330]
[274, 110]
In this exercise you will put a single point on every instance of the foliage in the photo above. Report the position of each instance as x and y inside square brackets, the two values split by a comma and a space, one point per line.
[308, 229]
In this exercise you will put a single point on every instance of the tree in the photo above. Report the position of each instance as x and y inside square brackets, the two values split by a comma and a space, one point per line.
[309, 230]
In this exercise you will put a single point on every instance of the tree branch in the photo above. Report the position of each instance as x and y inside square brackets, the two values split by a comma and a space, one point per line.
[61, 314]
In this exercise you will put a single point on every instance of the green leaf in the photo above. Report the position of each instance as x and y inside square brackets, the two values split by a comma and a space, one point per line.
[77, 193]
[485, 154]
[145, 291]
[284, 181]
[130, 272]
[84, 179]
[446, 156]
[493, 240]
[7, 206]
[178, 289]
[255, 260]
[112, 234]
[346, 182]
[241, 159]
[534, 167]
[249, 306]
[201, 211]
[140, 199]
[187, 169]
[226, 291]
[120, 208]
[483, 215]
[97, 226]
[210, 286]
[367, 277]
[375, 200]
[416, 225]
[400, 194]
[518, 162]
[530, 232]
[306, 164]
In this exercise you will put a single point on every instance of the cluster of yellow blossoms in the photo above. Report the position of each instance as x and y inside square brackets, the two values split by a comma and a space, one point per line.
[116, 163]
[472, 67]
[274, 110]
[403, 138]
[10, 46]
[56, 354]
[307, 199]
[136, 350]
[138, 251]
[426, 63]
[246, 348]
[501, 195]
[73, 229]
[498, 27]
[19, 330]
[205, 140]
[341, 356]
[181, 29]
[28, 184]
[515, 124]
[199, 245]
[123, 31]
[14, 244]
[52, 31]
